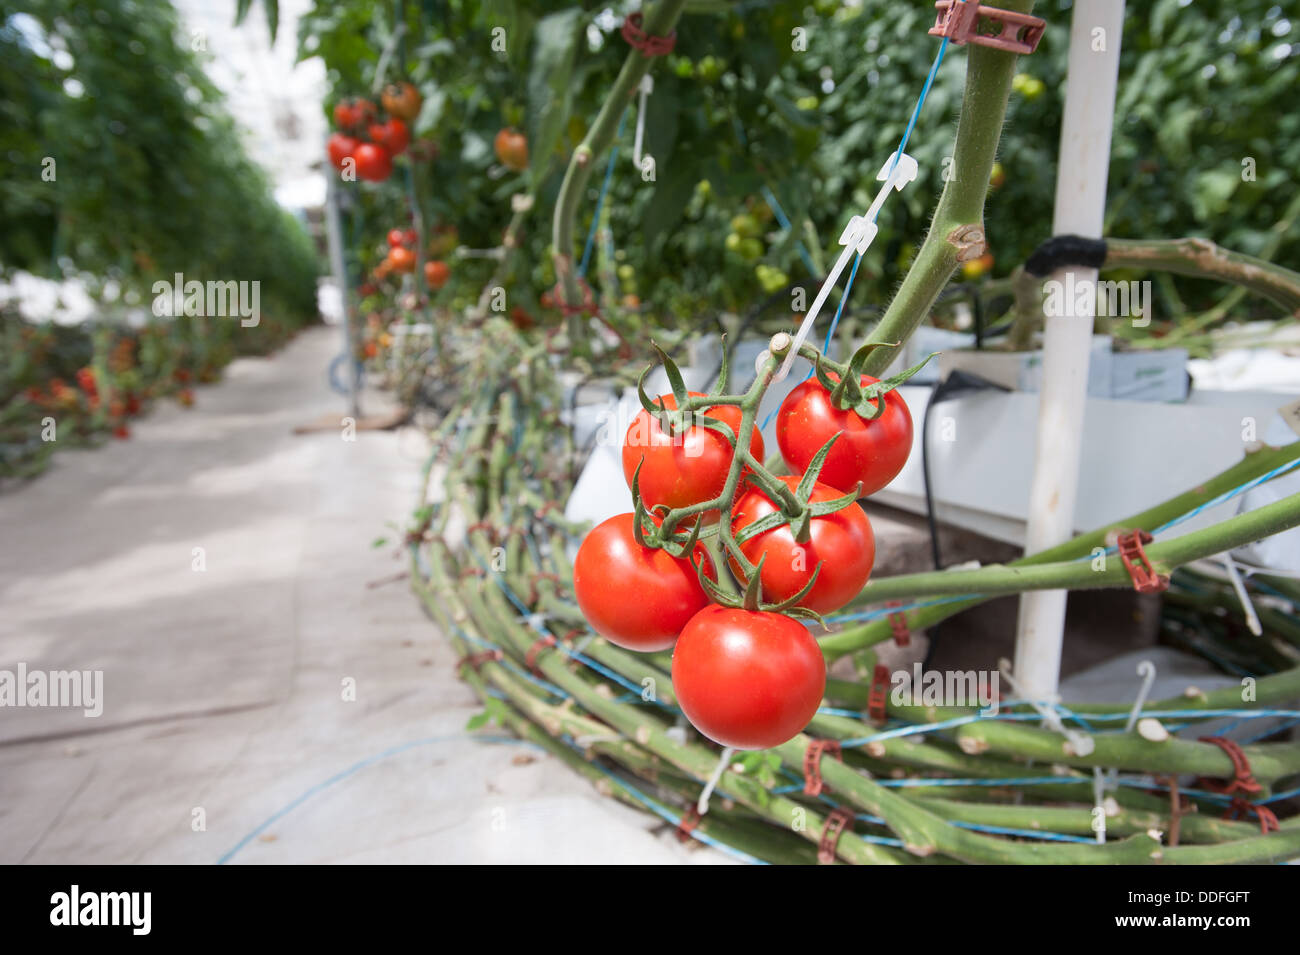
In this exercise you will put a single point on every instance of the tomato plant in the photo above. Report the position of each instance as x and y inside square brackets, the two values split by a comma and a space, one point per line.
[636, 596]
[374, 163]
[747, 679]
[436, 274]
[402, 100]
[869, 451]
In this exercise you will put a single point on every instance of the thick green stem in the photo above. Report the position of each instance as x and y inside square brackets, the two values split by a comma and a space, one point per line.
[1255, 464]
[957, 231]
[659, 21]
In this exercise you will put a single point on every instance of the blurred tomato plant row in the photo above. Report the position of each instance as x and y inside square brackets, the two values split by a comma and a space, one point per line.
[747, 109]
[120, 167]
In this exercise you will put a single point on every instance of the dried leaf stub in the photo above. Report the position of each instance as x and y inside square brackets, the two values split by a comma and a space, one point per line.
[969, 241]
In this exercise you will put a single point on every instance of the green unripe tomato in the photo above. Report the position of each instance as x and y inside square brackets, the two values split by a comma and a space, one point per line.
[733, 242]
[750, 249]
[746, 226]
[626, 273]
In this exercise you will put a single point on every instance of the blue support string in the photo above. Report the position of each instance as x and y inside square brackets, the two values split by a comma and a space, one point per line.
[600, 201]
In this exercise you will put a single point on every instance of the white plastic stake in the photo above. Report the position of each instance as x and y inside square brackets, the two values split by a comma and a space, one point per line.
[1239, 585]
[856, 237]
[1084, 160]
[702, 806]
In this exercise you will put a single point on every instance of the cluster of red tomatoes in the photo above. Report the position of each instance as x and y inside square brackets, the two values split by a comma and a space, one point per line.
[366, 142]
[401, 259]
[745, 678]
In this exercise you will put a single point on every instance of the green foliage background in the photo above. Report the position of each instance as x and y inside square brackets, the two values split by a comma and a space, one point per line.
[151, 176]
[1204, 85]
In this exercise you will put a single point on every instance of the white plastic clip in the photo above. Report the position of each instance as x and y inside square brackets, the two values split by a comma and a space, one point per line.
[1147, 670]
[856, 237]
[647, 87]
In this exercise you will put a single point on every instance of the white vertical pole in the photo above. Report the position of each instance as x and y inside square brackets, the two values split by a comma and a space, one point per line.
[1084, 159]
[334, 238]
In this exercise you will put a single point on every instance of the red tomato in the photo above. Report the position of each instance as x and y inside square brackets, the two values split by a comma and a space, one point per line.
[682, 469]
[396, 238]
[872, 452]
[637, 597]
[351, 113]
[747, 679]
[512, 149]
[340, 148]
[392, 135]
[842, 541]
[436, 274]
[373, 162]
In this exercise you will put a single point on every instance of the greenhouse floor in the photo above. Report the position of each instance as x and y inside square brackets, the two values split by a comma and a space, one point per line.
[218, 570]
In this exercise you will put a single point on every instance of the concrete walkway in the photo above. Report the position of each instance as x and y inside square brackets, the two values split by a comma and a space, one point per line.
[214, 568]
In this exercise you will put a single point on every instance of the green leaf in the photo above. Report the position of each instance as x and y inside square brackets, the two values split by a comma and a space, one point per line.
[549, 88]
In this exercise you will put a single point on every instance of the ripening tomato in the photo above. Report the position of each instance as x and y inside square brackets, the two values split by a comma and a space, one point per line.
[747, 679]
[842, 541]
[341, 148]
[402, 100]
[401, 259]
[392, 135]
[374, 163]
[395, 238]
[436, 274]
[637, 597]
[512, 149]
[872, 452]
[683, 469]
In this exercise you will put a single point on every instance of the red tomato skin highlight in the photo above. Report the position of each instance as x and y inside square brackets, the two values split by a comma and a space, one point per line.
[843, 541]
[636, 597]
[747, 679]
[684, 469]
[872, 452]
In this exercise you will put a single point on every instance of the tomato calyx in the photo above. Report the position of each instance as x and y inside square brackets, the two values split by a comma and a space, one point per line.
[648, 530]
[847, 391]
[752, 598]
[687, 414]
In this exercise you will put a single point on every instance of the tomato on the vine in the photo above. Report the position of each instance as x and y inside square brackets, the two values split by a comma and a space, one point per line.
[870, 451]
[635, 596]
[402, 100]
[686, 468]
[436, 274]
[512, 149]
[374, 163]
[340, 149]
[396, 237]
[401, 259]
[392, 135]
[747, 679]
[841, 541]
[352, 113]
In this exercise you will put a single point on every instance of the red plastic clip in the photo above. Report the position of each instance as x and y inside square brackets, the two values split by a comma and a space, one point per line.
[1243, 783]
[958, 20]
[876, 698]
[690, 819]
[836, 823]
[647, 43]
[530, 658]
[898, 624]
[812, 764]
[476, 660]
[1138, 565]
